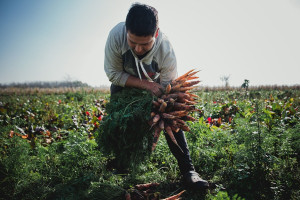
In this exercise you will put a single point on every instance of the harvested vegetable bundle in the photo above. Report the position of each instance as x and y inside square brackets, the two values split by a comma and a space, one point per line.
[172, 109]
[124, 132]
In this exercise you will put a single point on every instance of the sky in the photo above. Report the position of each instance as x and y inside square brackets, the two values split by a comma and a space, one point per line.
[57, 40]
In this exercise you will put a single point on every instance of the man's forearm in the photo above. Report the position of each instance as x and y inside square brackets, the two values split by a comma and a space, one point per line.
[155, 88]
[137, 83]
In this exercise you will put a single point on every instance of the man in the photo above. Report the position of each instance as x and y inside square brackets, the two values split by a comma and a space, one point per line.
[139, 55]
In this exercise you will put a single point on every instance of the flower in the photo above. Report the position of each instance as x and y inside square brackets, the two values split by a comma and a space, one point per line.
[209, 120]
[100, 118]
[87, 113]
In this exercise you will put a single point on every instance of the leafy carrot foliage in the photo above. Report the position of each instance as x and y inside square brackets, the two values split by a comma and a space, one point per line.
[124, 131]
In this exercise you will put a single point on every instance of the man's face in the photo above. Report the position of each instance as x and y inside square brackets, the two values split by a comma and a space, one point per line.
[140, 44]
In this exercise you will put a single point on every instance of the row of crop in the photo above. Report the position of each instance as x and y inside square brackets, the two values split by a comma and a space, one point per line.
[244, 145]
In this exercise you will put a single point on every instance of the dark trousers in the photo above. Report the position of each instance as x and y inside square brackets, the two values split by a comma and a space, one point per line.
[114, 89]
[183, 157]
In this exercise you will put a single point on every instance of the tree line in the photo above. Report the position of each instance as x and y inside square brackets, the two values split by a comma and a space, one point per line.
[46, 84]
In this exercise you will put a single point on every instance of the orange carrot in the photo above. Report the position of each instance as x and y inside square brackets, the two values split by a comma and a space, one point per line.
[179, 113]
[168, 88]
[174, 122]
[162, 107]
[170, 133]
[180, 121]
[146, 186]
[156, 118]
[172, 101]
[183, 89]
[174, 82]
[182, 95]
[193, 77]
[156, 137]
[164, 96]
[160, 100]
[188, 118]
[176, 87]
[182, 106]
[189, 102]
[155, 103]
[11, 134]
[152, 114]
[18, 134]
[25, 136]
[171, 96]
[175, 129]
[185, 128]
[174, 197]
[192, 73]
[188, 84]
[184, 75]
[161, 124]
[168, 116]
[192, 95]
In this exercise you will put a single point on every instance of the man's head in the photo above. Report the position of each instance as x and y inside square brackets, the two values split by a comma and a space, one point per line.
[142, 20]
[142, 28]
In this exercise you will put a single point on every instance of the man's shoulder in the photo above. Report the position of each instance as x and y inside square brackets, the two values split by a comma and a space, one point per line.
[117, 37]
[165, 44]
[118, 29]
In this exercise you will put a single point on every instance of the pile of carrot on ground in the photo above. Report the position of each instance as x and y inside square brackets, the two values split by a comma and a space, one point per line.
[147, 191]
[171, 110]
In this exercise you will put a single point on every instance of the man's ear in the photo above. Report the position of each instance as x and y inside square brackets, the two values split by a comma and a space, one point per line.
[156, 33]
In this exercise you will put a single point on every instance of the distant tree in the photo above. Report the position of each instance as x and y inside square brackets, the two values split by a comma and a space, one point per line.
[68, 79]
[225, 79]
[245, 84]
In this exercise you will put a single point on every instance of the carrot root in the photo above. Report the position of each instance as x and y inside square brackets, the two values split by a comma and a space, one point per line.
[174, 197]
[168, 88]
[155, 138]
[170, 133]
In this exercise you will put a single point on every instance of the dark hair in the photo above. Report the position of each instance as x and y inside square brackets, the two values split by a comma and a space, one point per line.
[142, 20]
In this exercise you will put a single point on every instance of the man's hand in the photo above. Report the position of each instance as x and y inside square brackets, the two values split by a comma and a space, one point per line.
[155, 88]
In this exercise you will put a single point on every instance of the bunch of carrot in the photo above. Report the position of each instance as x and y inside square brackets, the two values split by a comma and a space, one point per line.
[145, 191]
[171, 110]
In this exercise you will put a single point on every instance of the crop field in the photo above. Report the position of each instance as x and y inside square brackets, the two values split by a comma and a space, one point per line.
[245, 143]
